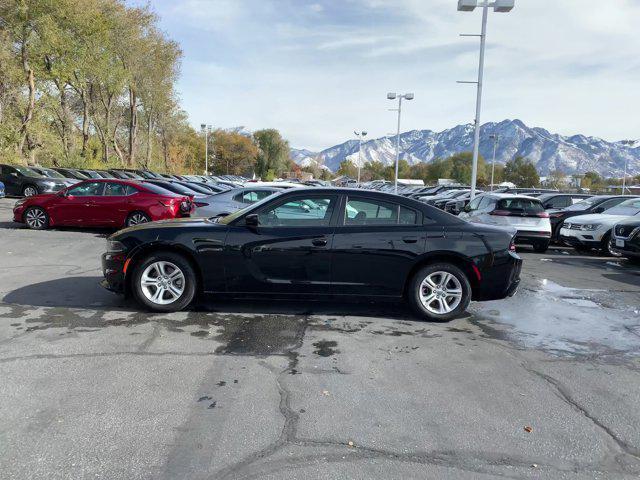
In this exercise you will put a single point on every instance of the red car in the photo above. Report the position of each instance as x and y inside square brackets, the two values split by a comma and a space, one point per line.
[102, 203]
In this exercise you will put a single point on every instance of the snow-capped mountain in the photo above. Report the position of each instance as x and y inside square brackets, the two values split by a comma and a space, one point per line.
[548, 151]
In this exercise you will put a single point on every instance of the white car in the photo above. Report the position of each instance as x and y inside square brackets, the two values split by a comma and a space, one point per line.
[594, 231]
[523, 215]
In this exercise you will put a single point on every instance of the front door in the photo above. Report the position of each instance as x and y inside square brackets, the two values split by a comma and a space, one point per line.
[78, 206]
[375, 245]
[289, 252]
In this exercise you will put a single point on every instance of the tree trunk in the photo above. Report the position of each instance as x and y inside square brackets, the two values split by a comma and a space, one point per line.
[149, 143]
[85, 123]
[133, 126]
[31, 84]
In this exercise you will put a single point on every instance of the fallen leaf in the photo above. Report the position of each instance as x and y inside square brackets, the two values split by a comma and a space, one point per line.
[351, 443]
[528, 429]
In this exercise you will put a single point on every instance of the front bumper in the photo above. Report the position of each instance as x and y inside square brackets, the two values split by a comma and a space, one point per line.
[113, 269]
[580, 238]
[631, 247]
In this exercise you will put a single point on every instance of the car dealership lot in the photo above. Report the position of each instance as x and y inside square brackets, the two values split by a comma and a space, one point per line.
[96, 388]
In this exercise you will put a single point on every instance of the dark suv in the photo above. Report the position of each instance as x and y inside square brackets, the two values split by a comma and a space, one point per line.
[23, 181]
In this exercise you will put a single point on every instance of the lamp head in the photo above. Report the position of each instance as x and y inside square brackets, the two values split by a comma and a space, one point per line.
[391, 96]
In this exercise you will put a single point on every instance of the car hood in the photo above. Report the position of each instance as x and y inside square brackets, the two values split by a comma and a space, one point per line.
[174, 223]
[601, 218]
[633, 221]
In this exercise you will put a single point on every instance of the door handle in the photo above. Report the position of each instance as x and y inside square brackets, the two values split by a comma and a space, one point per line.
[319, 242]
[409, 239]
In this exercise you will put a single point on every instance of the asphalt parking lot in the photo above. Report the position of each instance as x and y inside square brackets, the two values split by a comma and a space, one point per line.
[542, 385]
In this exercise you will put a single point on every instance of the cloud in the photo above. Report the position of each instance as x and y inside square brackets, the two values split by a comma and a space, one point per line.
[317, 70]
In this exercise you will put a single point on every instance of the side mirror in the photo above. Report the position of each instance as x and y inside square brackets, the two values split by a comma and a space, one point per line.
[251, 220]
[598, 210]
[13, 174]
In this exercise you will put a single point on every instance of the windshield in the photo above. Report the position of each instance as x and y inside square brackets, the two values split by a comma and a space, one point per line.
[583, 204]
[156, 189]
[627, 208]
[27, 171]
[237, 214]
[520, 205]
[52, 173]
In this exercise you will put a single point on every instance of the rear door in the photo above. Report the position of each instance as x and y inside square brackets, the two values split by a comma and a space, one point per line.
[289, 252]
[112, 207]
[375, 245]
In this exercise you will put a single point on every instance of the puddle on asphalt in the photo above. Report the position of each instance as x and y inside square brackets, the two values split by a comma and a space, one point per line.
[563, 321]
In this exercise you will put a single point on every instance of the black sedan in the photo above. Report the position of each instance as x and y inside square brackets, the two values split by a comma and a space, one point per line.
[321, 243]
[597, 204]
[625, 239]
[23, 181]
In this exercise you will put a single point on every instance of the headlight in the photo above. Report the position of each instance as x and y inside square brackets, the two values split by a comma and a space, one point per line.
[115, 246]
[591, 226]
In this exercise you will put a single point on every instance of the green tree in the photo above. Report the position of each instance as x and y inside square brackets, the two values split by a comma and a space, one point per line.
[273, 152]
[348, 168]
[521, 172]
[556, 179]
[234, 154]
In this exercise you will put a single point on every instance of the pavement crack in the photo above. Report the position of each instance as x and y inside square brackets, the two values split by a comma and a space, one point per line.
[144, 346]
[564, 393]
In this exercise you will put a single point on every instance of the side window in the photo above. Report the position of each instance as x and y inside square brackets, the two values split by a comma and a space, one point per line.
[474, 204]
[576, 200]
[611, 203]
[251, 196]
[299, 212]
[131, 190]
[370, 212]
[408, 216]
[88, 189]
[112, 189]
[558, 202]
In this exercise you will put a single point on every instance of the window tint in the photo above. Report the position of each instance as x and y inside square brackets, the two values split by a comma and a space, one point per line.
[131, 190]
[375, 212]
[484, 202]
[557, 202]
[408, 216]
[628, 207]
[311, 211]
[611, 203]
[251, 196]
[520, 205]
[115, 189]
[88, 189]
[473, 205]
[152, 187]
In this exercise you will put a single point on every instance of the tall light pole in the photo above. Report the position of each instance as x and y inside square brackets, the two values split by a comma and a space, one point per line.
[468, 6]
[624, 178]
[495, 139]
[206, 129]
[393, 96]
[360, 135]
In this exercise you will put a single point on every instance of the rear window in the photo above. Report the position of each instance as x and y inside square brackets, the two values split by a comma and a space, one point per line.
[156, 189]
[520, 205]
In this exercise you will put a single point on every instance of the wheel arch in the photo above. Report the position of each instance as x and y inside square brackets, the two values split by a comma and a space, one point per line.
[155, 247]
[463, 263]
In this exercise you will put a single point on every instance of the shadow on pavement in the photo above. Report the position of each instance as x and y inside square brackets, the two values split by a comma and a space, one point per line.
[85, 292]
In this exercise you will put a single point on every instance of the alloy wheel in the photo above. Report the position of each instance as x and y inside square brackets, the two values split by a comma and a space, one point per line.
[162, 282]
[30, 191]
[610, 246]
[36, 218]
[440, 292]
[137, 219]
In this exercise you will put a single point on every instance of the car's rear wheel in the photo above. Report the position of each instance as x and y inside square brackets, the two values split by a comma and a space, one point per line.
[29, 191]
[164, 282]
[541, 247]
[136, 218]
[439, 292]
[36, 218]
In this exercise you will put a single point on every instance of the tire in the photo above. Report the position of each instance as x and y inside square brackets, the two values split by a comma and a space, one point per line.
[607, 246]
[36, 218]
[541, 247]
[29, 191]
[153, 287]
[419, 292]
[136, 218]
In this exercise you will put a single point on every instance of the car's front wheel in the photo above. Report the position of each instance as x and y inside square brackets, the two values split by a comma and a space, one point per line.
[36, 218]
[439, 292]
[164, 282]
[29, 191]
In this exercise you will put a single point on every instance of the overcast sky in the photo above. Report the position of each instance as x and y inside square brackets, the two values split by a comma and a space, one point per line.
[317, 70]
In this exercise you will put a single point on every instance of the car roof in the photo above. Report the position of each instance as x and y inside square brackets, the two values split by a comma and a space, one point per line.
[509, 195]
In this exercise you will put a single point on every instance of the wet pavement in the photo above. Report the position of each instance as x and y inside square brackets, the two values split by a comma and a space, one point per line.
[95, 388]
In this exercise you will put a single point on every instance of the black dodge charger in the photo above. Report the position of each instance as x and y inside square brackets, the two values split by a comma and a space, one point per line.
[319, 243]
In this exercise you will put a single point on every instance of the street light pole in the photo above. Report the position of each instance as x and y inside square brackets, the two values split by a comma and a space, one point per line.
[206, 128]
[624, 178]
[495, 138]
[360, 134]
[468, 6]
[392, 96]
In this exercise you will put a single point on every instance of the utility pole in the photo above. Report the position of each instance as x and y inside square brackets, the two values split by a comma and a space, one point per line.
[393, 96]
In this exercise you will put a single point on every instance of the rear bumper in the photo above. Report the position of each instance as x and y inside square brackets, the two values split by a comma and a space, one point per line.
[501, 280]
[527, 236]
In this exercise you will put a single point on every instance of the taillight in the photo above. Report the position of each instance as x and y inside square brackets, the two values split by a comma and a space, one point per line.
[512, 246]
[169, 203]
[542, 215]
